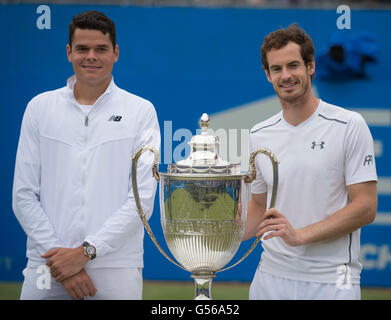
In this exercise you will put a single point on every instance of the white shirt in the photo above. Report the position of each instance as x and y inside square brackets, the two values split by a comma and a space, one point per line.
[319, 158]
[72, 178]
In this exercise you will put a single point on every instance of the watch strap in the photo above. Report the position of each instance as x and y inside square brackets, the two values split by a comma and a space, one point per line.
[85, 244]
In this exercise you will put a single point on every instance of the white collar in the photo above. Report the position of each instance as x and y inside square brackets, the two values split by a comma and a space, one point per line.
[72, 80]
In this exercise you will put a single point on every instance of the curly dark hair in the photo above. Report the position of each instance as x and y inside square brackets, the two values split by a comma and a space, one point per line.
[93, 20]
[280, 38]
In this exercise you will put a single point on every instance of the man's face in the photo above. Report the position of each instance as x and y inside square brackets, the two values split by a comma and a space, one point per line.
[290, 77]
[92, 56]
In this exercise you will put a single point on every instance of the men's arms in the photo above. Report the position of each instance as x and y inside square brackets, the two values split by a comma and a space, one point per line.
[255, 212]
[27, 185]
[65, 262]
[360, 210]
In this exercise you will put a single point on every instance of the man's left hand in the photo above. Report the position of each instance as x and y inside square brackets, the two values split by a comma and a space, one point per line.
[65, 262]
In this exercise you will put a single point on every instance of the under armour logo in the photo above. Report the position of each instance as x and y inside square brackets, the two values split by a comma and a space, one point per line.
[115, 118]
[320, 145]
[368, 160]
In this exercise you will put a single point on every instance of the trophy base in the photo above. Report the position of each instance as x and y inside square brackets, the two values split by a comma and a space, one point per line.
[203, 285]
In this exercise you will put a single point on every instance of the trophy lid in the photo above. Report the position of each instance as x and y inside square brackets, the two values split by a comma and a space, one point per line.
[204, 156]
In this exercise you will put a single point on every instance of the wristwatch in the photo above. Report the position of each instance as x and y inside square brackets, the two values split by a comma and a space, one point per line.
[89, 250]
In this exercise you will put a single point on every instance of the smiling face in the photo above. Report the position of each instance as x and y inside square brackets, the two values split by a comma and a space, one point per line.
[290, 77]
[92, 56]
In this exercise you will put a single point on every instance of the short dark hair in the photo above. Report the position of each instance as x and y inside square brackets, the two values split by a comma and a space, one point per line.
[93, 20]
[280, 38]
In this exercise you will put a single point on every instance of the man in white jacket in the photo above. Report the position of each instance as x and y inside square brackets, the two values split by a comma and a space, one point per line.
[72, 190]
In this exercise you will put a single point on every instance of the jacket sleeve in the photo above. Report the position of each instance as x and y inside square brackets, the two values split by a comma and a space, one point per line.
[26, 187]
[127, 220]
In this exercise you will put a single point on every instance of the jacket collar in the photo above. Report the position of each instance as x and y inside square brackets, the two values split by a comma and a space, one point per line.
[69, 95]
[71, 83]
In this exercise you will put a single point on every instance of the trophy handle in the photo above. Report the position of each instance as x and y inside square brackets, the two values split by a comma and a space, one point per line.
[250, 178]
[140, 211]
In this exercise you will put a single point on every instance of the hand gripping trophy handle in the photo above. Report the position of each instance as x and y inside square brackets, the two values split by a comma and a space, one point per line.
[248, 179]
[155, 173]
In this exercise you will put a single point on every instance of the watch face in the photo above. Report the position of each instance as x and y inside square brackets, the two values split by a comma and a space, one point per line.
[90, 250]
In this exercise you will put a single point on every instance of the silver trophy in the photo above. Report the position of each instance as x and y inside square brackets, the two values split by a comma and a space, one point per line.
[203, 206]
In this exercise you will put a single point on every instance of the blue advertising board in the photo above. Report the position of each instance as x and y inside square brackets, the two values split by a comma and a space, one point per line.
[187, 61]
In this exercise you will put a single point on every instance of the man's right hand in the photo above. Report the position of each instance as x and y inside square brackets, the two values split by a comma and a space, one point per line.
[79, 285]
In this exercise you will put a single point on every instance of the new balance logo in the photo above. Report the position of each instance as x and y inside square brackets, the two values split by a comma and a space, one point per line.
[319, 145]
[115, 118]
[368, 160]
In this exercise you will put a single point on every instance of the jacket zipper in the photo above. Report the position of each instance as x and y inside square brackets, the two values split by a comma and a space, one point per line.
[86, 121]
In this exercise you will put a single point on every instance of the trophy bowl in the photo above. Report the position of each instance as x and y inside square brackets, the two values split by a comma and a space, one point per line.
[203, 208]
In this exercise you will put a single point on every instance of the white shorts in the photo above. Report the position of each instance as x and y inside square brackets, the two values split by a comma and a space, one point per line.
[269, 287]
[111, 283]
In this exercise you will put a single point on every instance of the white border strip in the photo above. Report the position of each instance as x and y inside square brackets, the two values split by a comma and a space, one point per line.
[376, 117]
[382, 218]
[384, 185]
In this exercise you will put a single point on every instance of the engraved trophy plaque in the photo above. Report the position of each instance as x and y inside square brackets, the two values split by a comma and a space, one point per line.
[203, 206]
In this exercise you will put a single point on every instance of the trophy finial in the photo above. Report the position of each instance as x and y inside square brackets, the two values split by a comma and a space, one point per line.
[204, 122]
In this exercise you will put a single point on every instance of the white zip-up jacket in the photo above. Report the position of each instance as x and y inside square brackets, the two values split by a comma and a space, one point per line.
[72, 179]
